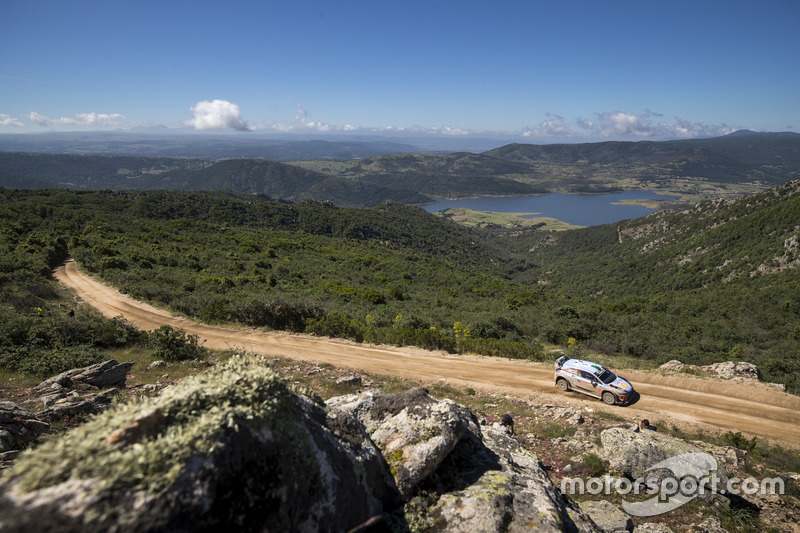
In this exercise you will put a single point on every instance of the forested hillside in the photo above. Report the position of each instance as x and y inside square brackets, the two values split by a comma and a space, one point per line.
[771, 158]
[719, 280]
[696, 169]
[713, 283]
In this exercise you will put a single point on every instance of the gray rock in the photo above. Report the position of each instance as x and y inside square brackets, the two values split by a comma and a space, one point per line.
[736, 371]
[414, 431]
[349, 380]
[491, 483]
[633, 453]
[608, 516]
[18, 427]
[230, 448]
[709, 525]
[652, 527]
[71, 406]
[101, 375]
[672, 366]
[729, 370]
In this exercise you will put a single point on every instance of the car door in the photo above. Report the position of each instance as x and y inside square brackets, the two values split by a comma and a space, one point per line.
[587, 383]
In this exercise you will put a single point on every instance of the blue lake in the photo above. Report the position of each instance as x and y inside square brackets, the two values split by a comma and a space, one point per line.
[577, 209]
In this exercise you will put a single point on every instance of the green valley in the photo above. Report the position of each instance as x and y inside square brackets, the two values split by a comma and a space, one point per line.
[711, 283]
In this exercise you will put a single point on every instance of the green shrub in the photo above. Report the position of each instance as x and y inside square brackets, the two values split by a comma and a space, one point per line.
[45, 363]
[502, 348]
[737, 440]
[593, 466]
[336, 325]
[170, 344]
[48, 363]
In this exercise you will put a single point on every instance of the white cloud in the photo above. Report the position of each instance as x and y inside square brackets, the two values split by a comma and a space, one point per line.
[7, 120]
[81, 119]
[623, 124]
[629, 125]
[39, 119]
[555, 126]
[217, 114]
[302, 124]
[423, 130]
[93, 119]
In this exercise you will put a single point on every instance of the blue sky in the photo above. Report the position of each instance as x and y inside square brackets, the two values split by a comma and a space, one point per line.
[542, 71]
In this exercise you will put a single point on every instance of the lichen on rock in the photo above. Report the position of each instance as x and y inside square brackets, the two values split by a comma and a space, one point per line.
[232, 446]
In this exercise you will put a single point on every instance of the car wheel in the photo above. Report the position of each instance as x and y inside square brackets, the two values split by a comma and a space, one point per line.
[609, 398]
[562, 385]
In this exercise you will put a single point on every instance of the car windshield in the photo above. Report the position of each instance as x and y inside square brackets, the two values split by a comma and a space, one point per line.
[606, 376]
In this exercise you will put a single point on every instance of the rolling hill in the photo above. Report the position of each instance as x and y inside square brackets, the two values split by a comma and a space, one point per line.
[702, 168]
[711, 283]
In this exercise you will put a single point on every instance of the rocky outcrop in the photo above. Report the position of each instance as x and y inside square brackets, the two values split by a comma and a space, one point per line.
[77, 392]
[414, 431]
[729, 370]
[18, 427]
[101, 375]
[69, 405]
[736, 371]
[235, 447]
[491, 483]
[633, 453]
[231, 447]
[459, 476]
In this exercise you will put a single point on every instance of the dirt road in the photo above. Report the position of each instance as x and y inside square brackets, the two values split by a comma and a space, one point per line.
[710, 404]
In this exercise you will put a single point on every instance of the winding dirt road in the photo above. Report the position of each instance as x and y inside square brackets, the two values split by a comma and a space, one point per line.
[753, 409]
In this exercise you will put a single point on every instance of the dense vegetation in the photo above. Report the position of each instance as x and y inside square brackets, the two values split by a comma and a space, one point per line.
[714, 283]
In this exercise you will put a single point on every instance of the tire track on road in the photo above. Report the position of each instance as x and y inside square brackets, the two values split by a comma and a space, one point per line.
[753, 409]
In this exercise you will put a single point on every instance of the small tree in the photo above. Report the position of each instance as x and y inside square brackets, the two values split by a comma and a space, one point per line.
[174, 344]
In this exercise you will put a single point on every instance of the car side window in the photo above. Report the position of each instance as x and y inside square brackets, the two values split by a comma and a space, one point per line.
[586, 375]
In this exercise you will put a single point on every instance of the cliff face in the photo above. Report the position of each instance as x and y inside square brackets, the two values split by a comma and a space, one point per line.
[235, 446]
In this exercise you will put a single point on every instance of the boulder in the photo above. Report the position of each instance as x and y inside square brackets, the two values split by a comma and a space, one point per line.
[491, 483]
[729, 370]
[633, 453]
[101, 375]
[349, 380]
[414, 431]
[232, 447]
[18, 427]
[736, 371]
[70, 406]
[672, 366]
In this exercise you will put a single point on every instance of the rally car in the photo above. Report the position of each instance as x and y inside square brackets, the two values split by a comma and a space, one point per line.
[592, 379]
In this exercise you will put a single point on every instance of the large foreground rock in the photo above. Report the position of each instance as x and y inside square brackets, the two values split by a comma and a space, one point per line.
[414, 431]
[232, 447]
[461, 477]
[491, 483]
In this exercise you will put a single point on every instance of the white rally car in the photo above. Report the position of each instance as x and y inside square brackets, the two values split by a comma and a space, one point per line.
[592, 379]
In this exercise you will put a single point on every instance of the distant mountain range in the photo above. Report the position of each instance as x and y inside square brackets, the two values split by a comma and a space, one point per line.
[210, 147]
[367, 173]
